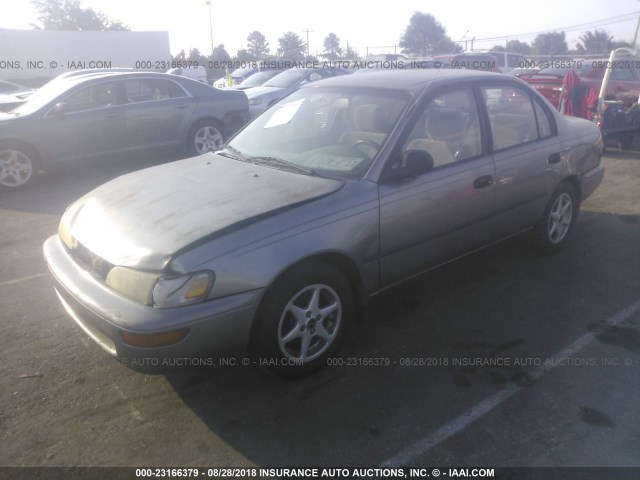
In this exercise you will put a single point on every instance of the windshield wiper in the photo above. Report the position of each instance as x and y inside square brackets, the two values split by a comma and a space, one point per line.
[237, 155]
[284, 163]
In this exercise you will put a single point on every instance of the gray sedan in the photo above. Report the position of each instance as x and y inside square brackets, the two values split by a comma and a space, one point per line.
[111, 114]
[282, 84]
[274, 243]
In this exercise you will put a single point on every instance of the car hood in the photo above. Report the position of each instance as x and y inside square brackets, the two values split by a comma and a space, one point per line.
[142, 219]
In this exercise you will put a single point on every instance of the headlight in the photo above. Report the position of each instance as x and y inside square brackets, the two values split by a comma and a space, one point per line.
[132, 283]
[183, 290]
[160, 292]
[64, 229]
[255, 101]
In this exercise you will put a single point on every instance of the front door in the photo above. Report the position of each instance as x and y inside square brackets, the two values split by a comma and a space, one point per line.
[442, 214]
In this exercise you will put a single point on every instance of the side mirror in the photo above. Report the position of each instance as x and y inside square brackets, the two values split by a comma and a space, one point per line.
[417, 162]
[60, 108]
[413, 164]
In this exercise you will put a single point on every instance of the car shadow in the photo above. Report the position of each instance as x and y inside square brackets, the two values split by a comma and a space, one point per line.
[402, 373]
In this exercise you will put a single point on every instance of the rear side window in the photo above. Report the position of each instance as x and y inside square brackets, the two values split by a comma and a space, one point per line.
[515, 118]
[147, 90]
[544, 122]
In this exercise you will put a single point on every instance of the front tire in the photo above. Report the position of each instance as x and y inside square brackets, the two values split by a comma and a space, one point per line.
[18, 166]
[556, 225]
[303, 319]
[205, 137]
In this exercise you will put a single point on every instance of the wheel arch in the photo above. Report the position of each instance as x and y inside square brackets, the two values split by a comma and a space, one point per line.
[575, 183]
[341, 262]
[202, 121]
[19, 143]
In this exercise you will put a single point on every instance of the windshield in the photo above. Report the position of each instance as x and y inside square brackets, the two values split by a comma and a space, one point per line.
[334, 132]
[242, 72]
[44, 95]
[258, 78]
[286, 79]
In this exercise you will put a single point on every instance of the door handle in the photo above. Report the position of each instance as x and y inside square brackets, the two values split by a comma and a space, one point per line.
[113, 114]
[555, 158]
[483, 182]
[182, 106]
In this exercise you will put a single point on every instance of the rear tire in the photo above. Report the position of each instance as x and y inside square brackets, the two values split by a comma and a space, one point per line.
[556, 225]
[303, 319]
[205, 137]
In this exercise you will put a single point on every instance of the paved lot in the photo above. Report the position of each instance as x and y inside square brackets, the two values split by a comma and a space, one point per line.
[520, 360]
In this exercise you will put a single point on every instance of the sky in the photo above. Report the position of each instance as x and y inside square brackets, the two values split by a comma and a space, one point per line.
[367, 27]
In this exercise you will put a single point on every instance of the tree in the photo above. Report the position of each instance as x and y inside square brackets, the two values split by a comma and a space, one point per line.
[218, 57]
[598, 41]
[552, 43]
[196, 56]
[69, 15]
[516, 46]
[350, 54]
[291, 47]
[332, 49]
[257, 45]
[220, 54]
[425, 36]
[244, 55]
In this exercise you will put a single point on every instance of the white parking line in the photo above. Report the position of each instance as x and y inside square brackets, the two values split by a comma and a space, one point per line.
[21, 279]
[458, 424]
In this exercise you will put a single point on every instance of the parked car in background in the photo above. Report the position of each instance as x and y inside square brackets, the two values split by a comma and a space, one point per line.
[624, 84]
[281, 85]
[257, 79]
[221, 82]
[507, 61]
[196, 73]
[12, 95]
[236, 77]
[7, 88]
[518, 72]
[346, 187]
[111, 114]
[469, 61]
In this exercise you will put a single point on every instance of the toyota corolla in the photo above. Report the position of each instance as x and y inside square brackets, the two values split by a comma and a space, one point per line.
[274, 243]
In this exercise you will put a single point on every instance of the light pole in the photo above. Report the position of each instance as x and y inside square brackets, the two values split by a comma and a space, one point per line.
[308, 32]
[208, 3]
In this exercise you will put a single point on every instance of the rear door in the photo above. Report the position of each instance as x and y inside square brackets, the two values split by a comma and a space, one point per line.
[158, 112]
[526, 153]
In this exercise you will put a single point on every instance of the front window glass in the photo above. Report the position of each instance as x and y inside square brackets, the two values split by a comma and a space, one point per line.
[448, 129]
[333, 132]
[101, 95]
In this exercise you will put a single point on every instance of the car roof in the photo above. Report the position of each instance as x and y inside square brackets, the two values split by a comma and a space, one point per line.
[99, 75]
[409, 80]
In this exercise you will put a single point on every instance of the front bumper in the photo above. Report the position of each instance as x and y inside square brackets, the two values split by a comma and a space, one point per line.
[217, 327]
